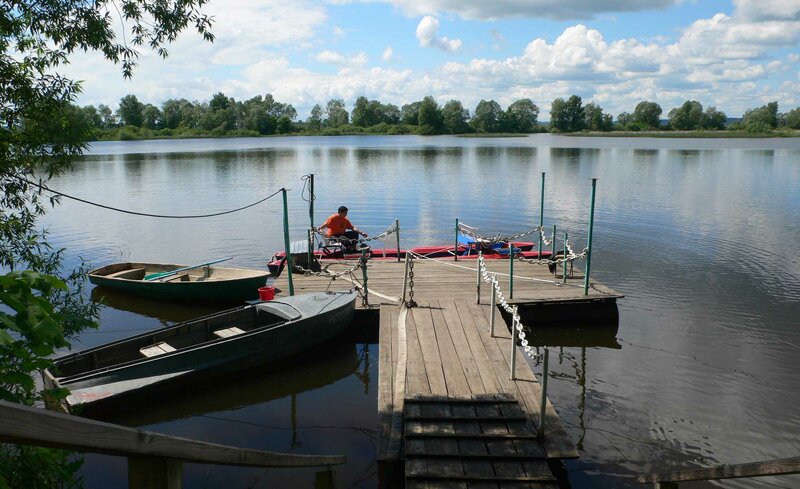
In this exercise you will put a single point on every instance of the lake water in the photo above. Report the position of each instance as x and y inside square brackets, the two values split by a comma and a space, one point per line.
[701, 235]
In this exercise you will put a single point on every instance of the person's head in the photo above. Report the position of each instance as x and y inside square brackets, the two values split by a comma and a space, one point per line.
[342, 211]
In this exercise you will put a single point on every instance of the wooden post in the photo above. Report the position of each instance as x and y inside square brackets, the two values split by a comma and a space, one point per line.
[155, 473]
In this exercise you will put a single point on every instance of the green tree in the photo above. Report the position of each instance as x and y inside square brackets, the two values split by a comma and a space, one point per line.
[360, 116]
[595, 119]
[40, 136]
[762, 119]
[793, 118]
[106, 116]
[314, 121]
[647, 115]
[430, 117]
[687, 117]
[714, 119]
[152, 118]
[336, 113]
[93, 116]
[390, 114]
[522, 115]
[130, 111]
[623, 119]
[410, 113]
[455, 117]
[487, 116]
[567, 115]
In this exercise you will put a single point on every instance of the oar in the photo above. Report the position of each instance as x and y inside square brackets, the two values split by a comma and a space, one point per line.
[155, 276]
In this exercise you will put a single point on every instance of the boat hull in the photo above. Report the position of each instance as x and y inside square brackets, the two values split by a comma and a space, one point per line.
[223, 286]
[261, 345]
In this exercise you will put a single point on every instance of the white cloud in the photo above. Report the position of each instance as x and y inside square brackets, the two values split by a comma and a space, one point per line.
[331, 57]
[427, 32]
[387, 54]
[759, 10]
[495, 9]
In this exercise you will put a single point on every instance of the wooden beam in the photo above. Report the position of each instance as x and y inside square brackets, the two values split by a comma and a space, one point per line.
[782, 466]
[31, 426]
[155, 473]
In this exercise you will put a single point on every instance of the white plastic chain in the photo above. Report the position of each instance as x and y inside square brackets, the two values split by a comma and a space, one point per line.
[492, 279]
[497, 238]
[544, 238]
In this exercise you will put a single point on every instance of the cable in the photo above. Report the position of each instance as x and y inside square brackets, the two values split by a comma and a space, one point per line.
[163, 216]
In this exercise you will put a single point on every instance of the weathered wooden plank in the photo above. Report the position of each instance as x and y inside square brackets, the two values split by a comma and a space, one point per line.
[388, 329]
[417, 466]
[26, 425]
[416, 377]
[457, 385]
[489, 378]
[430, 350]
[782, 466]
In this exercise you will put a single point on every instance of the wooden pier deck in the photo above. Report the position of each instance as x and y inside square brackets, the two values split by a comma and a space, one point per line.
[447, 406]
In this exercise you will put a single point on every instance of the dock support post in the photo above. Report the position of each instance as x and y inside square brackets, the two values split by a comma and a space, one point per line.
[514, 316]
[543, 403]
[397, 227]
[589, 241]
[364, 273]
[405, 277]
[455, 249]
[494, 305]
[541, 220]
[564, 268]
[286, 244]
[511, 270]
[478, 277]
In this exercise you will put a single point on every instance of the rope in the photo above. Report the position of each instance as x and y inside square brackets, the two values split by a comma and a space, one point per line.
[135, 213]
[515, 319]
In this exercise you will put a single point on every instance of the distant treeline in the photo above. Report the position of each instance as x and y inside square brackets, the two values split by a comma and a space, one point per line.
[224, 116]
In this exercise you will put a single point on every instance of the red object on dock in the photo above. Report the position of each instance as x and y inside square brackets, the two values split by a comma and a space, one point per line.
[266, 293]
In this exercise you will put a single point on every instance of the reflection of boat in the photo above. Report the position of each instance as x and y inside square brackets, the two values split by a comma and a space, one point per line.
[225, 341]
[202, 284]
[142, 306]
[323, 365]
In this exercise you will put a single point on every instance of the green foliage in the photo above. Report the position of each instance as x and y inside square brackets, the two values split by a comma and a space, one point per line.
[567, 115]
[336, 113]
[647, 115]
[595, 119]
[430, 117]
[687, 117]
[455, 117]
[521, 116]
[792, 118]
[487, 117]
[762, 119]
[130, 111]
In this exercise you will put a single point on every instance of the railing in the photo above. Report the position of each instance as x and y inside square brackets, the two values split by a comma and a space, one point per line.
[154, 460]
[670, 480]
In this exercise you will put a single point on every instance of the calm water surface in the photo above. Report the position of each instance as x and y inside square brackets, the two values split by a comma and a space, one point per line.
[700, 235]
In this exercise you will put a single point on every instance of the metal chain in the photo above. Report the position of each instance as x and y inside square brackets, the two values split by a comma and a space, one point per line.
[410, 302]
[492, 279]
[389, 231]
[497, 238]
[326, 273]
[544, 238]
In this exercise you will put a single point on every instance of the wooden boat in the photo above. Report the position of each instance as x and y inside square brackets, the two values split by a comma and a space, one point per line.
[201, 283]
[226, 341]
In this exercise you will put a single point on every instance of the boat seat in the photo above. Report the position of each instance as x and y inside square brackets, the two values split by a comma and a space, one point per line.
[130, 273]
[157, 349]
[181, 277]
[228, 332]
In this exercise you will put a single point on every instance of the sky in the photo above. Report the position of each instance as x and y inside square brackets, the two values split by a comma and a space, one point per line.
[733, 55]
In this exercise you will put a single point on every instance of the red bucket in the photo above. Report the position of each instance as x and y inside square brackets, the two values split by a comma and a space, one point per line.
[266, 293]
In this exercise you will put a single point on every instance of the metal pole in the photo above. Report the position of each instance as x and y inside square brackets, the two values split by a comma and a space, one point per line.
[511, 270]
[310, 248]
[397, 227]
[589, 242]
[494, 305]
[513, 375]
[553, 243]
[364, 272]
[478, 277]
[286, 240]
[405, 277]
[455, 250]
[311, 199]
[541, 220]
[543, 403]
[564, 271]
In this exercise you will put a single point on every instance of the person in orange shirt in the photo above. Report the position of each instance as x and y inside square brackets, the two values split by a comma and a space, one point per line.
[339, 225]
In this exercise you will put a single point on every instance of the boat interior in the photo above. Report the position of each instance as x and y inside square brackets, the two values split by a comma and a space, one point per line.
[198, 332]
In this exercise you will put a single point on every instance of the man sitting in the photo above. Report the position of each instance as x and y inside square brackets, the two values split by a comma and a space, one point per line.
[339, 226]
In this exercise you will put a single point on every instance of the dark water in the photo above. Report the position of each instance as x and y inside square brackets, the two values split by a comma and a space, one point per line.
[700, 235]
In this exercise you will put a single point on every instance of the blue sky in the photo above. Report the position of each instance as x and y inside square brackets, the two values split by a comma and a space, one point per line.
[733, 55]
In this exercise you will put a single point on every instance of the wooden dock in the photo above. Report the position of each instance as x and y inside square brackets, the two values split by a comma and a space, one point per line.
[448, 408]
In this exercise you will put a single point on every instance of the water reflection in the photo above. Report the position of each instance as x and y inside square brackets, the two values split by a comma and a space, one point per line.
[165, 312]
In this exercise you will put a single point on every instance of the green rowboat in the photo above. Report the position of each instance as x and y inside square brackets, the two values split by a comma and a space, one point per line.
[199, 284]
